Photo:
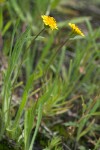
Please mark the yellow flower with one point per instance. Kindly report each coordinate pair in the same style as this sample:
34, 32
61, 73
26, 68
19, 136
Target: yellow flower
49, 21
76, 29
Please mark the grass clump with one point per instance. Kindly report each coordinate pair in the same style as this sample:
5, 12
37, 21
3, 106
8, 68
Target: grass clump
49, 88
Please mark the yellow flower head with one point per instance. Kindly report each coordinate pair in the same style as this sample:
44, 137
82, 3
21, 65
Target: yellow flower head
76, 29
49, 21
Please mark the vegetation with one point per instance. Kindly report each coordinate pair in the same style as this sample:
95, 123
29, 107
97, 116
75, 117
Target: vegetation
49, 76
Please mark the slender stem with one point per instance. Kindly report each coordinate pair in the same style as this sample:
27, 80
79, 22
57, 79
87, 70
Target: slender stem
57, 50
30, 45
39, 118
35, 38
28, 49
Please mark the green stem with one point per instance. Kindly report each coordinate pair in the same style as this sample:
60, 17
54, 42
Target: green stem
37, 126
28, 49
57, 50
35, 38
